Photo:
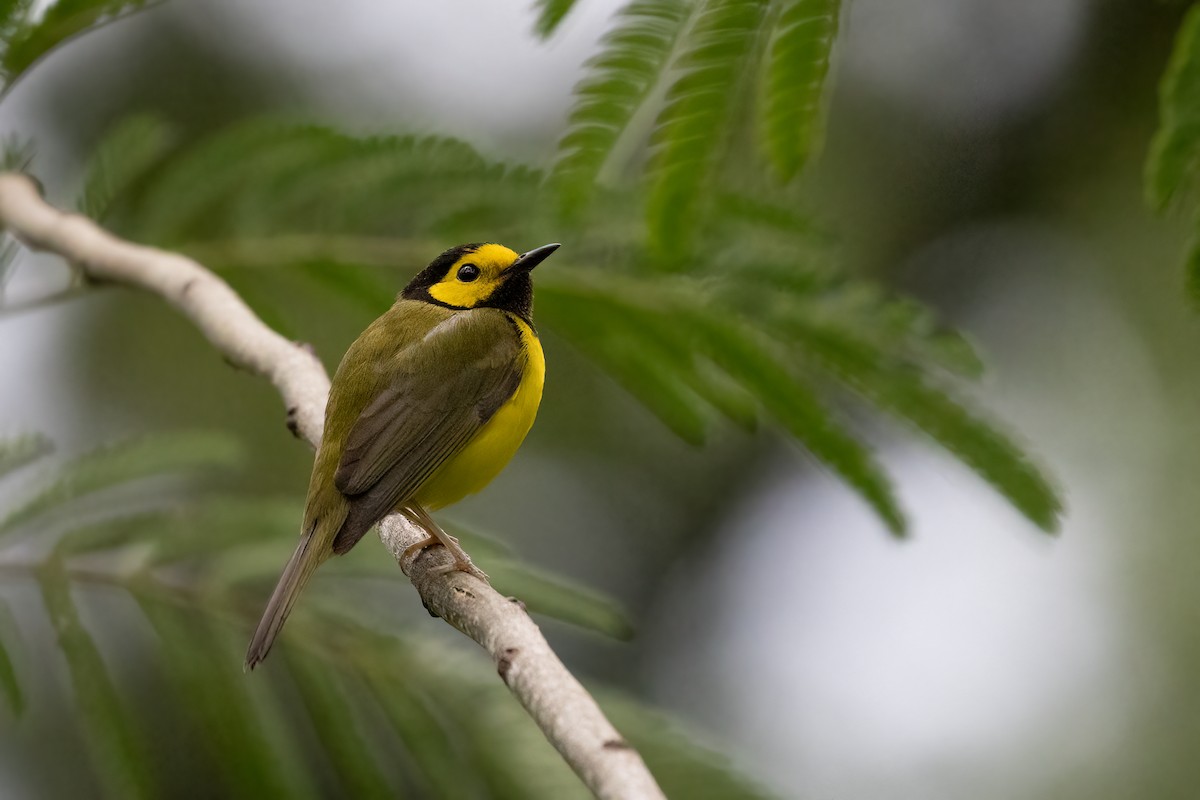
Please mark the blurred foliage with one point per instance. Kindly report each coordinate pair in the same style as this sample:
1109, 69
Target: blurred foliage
195, 566
759, 322
551, 14
698, 68
1173, 167
25, 36
694, 275
701, 308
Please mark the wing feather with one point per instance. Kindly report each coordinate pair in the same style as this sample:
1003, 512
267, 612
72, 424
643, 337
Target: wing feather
445, 388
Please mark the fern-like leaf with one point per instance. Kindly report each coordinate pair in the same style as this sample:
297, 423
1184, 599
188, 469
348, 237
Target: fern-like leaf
12, 15
620, 77
215, 697
1175, 153
8, 672
503, 745
698, 118
431, 739
63, 20
798, 410
797, 65
16, 453
603, 332
117, 756
682, 767
111, 466
132, 147
549, 594
8, 258
550, 15
902, 390
330, 709
16, 153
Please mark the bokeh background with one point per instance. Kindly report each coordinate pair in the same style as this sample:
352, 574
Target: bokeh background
985, 157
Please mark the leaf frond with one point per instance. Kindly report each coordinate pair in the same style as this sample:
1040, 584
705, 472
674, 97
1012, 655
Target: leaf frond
111, 466
697, 118
26, 41
19, 451
1174, 160
904, 391
117, 754
620, 77
550, 14
793, 87
129, 150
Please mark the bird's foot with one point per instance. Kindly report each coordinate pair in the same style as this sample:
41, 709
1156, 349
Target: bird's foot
413, 549
462, 561
462, 566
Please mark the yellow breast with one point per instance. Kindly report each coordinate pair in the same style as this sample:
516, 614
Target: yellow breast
497, 441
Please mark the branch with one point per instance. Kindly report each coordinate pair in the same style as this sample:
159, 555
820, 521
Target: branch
560, 706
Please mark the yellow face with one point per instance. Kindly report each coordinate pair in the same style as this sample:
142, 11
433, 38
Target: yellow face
474, 277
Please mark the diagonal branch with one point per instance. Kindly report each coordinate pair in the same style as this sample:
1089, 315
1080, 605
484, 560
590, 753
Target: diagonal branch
562, 708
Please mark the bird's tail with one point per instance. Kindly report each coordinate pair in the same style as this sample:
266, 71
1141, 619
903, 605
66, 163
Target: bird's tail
291, 583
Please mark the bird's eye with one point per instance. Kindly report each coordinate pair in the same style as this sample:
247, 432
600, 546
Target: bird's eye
468, 273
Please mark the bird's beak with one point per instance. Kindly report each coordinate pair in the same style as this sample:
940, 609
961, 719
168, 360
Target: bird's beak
527, 261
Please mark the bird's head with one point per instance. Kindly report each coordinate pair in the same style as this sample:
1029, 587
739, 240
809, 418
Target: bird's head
480, 275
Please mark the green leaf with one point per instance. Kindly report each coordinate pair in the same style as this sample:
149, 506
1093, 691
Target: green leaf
121, 532
269, 176
214, 178
1193, 268
648, 353
1175, 152
16, 453
494, 737
797, 64
365, 287
619, 79
435, 747
902, 390
212, 526
8, 257
603, 334
682, 767
128, 461
215, 697
550, 15
321, 686
108, 732
124, 155
221, 525
749, 361
698, 118
503, 743
775, 216
554, 596
17, 153
8, 673
12, 17
61, 21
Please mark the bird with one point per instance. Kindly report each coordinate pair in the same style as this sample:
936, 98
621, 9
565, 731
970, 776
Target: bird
427, 406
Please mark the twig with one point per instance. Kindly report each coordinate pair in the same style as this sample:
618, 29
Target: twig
560, 706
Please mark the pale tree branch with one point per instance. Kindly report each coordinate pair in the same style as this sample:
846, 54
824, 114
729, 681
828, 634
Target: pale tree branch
560, 706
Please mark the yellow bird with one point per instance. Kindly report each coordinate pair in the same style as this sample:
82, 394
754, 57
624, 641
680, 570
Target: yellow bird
427, 407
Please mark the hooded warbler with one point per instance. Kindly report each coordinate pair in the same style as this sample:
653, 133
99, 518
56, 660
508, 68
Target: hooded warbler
427, 406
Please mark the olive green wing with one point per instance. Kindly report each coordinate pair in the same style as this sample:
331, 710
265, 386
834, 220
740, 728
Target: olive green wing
441, 391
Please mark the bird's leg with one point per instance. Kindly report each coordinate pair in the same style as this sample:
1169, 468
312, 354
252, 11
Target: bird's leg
462, 561
428, 541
